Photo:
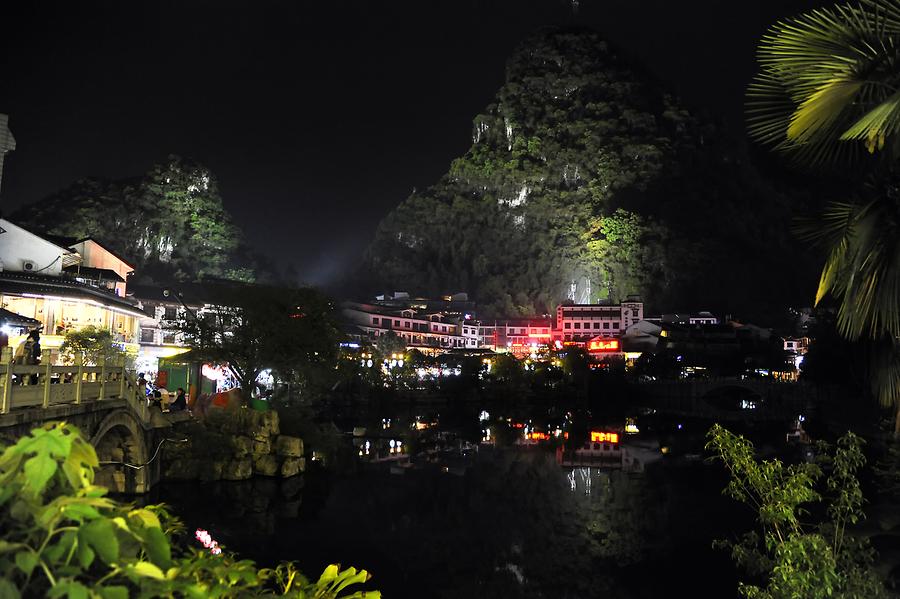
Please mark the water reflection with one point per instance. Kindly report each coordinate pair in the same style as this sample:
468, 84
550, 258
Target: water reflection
513, 522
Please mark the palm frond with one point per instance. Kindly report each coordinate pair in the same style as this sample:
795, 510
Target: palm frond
884, 372
876, 125
863, 268
827, 90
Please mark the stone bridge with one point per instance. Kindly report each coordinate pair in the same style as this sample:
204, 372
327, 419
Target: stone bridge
102, 401
727, 398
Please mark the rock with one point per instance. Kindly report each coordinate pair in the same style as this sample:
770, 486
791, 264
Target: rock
287, 446
237, 470
262, 447
211, 470
242, 446
292, 466
265, 465
272, 422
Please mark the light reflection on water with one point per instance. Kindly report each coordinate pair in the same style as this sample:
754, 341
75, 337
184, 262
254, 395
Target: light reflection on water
511, 523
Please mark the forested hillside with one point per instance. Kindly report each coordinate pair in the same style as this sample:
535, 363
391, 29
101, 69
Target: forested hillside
170, 223
584, 171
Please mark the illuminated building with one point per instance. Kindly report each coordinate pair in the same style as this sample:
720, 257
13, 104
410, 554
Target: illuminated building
415, 327
520, 336
583, 322
51, 281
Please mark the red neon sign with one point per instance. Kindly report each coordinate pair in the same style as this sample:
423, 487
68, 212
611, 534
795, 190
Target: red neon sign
610, 345
604, 437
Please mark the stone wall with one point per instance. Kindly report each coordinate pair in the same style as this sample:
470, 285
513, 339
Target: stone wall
234, 445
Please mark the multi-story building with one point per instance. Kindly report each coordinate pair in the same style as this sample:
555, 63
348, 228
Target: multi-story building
522, 335
583, 322
161, 326
51, 281
416, 328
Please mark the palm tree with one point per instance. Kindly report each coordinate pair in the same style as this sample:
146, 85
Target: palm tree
828, 97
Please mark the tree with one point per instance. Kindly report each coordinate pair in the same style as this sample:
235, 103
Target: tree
93, 344
792, 557
63, 537
170, 223
253, 328
828, 95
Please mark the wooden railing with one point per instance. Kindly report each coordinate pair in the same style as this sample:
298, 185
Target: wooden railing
45, 385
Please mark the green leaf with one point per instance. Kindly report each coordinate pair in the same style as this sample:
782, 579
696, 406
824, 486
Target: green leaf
8, 590
113, 592
146, 570
101, 535
38, 471
157, 546
69, 588
26, 561
85, 555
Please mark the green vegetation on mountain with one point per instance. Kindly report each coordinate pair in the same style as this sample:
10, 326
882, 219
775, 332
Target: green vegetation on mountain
582, 169
170, 223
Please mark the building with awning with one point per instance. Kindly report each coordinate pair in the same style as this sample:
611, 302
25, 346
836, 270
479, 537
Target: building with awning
52, 283
11, 320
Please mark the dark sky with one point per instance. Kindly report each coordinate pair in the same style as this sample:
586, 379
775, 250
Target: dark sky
316, 117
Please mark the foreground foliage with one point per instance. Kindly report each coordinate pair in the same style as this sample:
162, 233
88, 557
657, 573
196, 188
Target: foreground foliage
63, 537
793, 557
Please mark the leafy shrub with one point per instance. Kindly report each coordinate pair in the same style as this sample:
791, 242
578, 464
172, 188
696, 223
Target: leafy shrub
63, 537
796, 558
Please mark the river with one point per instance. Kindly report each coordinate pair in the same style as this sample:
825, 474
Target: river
501, 521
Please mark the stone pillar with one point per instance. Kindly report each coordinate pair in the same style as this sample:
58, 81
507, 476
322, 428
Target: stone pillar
6, 355
47, 363
102, 377
79, 377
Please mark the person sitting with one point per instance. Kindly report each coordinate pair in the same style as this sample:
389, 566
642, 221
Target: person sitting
180, 402
156, 400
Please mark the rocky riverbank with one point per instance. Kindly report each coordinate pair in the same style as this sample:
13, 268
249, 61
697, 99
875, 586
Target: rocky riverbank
233, 445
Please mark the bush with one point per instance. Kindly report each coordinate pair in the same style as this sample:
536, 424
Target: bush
793, 557
63, 537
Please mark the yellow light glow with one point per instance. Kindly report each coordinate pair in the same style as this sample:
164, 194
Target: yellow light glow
604, 437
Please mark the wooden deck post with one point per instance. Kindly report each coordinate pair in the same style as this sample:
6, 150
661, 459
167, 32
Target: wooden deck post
47, 362
79, 377
6, 355
102, 377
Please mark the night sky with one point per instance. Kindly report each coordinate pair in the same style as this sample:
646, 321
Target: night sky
317, 118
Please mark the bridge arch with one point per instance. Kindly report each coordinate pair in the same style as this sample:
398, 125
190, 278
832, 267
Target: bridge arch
122, 450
